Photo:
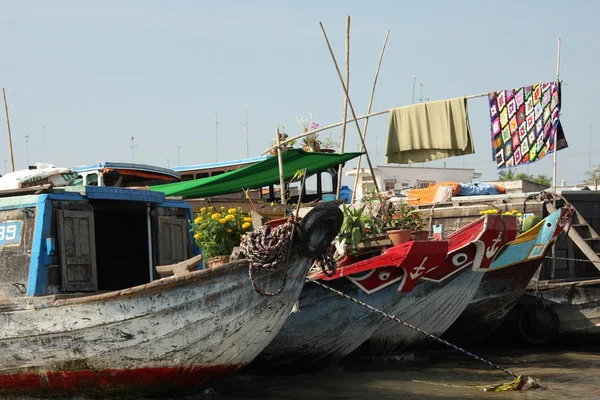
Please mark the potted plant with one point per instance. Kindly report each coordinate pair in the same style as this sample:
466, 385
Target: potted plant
398, 223
282, 136
218, 232
417, 225
311, 142
328, 145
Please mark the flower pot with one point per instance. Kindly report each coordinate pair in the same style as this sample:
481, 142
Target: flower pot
216, 261
421, 235
398, 236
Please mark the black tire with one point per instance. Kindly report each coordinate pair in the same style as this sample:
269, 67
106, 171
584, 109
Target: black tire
318, 228
538, 325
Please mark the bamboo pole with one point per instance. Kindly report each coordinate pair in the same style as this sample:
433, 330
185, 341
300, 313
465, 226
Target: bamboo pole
10, 148
345, 113
281, 179
554, 187
368, 111
350, 104
331, 126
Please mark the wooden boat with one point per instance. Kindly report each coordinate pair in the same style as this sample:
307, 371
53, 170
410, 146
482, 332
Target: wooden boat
83, 313
443, 294
507, 278
327, 327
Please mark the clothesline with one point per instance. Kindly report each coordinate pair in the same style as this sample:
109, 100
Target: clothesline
283, 142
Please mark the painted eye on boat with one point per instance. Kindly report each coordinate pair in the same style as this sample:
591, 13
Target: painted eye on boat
549, 225
384, 275
459, 259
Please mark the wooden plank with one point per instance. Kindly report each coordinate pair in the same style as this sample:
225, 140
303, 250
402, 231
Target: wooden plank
580, 242
179, 268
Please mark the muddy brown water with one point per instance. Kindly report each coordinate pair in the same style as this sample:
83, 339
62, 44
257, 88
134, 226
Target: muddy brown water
431, 374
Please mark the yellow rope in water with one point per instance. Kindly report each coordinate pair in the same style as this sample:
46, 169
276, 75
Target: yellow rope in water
517, 384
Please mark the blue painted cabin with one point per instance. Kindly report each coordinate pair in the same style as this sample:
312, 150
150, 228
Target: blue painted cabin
88, 239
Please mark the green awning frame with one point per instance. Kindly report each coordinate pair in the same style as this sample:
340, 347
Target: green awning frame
257, 175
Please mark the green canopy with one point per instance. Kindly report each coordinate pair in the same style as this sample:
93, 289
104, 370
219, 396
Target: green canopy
257, 175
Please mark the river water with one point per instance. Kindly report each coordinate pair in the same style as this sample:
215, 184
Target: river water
568, 372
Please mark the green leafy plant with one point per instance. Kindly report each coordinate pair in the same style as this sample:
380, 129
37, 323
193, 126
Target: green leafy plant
357, 226
353, 228
401, 216
217, 233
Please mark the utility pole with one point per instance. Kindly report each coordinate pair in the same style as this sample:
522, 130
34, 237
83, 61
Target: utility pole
27, 149
10, 149
414, 83
590, 157
178, 162
217, 135
246, 128
133, 147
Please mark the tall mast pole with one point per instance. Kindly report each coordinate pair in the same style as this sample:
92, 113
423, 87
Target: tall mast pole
10, 148
217, 135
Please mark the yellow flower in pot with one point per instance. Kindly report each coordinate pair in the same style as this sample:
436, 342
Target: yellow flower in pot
217, 233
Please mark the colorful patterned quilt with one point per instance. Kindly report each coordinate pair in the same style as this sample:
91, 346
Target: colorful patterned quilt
525, 123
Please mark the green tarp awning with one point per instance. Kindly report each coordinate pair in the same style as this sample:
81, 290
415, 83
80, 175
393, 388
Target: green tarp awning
257, 175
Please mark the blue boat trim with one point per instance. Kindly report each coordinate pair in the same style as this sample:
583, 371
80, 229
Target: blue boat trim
37, 280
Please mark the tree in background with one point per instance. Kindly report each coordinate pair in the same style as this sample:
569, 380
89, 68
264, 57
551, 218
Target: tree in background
511, 175
593, 175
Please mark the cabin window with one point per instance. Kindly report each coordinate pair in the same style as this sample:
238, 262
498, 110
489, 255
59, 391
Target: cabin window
91, 180
390, 184
424, 184
16, 235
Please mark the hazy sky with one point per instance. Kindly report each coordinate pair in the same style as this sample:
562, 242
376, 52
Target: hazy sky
98, 72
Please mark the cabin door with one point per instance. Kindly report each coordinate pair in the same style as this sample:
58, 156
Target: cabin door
77, 246
173, 240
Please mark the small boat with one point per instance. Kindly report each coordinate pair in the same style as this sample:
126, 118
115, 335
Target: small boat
85, 312
443, 293
507, 278
327, 327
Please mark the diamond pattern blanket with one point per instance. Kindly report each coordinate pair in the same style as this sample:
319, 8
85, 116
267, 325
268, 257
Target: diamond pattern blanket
525, 124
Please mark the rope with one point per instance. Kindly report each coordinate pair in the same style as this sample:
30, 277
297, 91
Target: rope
267, 249
572, 259
326, 262
393, 317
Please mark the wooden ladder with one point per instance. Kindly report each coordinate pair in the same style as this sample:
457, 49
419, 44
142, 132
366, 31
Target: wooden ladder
583, 235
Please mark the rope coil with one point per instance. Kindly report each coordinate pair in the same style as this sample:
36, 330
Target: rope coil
267, 249
326, 262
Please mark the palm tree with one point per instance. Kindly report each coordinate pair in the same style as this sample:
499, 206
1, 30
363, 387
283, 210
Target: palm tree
507, 175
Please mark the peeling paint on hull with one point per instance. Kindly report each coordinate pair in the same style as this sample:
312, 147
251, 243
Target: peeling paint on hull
187, 330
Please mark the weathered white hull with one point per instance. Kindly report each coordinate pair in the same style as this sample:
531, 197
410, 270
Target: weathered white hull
178, 332
431, 306
326, 328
